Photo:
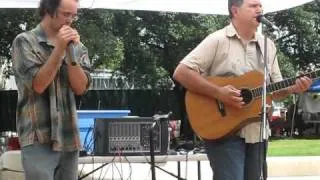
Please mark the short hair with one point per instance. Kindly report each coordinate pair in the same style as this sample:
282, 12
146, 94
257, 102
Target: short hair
49, 6
231, 3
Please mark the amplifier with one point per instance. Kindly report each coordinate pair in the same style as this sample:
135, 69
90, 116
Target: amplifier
129, 136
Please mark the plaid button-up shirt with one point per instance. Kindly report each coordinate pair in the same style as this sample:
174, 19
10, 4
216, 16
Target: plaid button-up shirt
49, 117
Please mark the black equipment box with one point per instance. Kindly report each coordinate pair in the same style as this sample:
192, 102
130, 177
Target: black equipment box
129, 136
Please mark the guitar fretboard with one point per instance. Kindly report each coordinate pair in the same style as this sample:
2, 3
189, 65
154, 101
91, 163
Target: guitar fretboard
257, 92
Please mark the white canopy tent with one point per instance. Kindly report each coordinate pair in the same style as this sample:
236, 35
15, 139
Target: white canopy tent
190, 6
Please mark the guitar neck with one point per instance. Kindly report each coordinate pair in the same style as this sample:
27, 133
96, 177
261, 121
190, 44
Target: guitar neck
273, 87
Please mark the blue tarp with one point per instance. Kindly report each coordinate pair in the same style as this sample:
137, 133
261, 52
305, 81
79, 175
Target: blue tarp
315, 86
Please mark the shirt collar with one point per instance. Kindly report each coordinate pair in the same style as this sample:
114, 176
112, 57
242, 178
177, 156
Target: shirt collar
41, 34
232, 32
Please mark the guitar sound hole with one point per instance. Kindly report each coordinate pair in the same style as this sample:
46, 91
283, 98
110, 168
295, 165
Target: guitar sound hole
247, 95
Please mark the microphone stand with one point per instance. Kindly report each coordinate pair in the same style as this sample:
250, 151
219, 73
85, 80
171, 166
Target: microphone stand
263, 127
157, 119
264, 119
263, 132
152, 162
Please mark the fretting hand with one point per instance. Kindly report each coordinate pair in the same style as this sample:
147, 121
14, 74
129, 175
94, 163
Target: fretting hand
301, 85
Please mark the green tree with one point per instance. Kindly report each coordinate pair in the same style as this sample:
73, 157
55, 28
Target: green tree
154, 42
300, 34
95, 28
105, 50
13, 22
147, 46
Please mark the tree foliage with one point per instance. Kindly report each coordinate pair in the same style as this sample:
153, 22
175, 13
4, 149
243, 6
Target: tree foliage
154, 42
95, 28
300, 34
147, 46
13, 22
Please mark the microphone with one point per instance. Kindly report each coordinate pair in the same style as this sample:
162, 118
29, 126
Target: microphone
72, 53
265, 21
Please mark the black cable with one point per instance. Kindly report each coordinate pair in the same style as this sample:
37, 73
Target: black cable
81, 170
170, 173
94, 170
114, 164
108, 168
130, 167
105, 173
112, 171
85, 148
186, 175
85, 139
119, 156
100, 175
92, 155
90, 145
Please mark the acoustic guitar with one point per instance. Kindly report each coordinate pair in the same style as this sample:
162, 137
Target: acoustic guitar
211, 119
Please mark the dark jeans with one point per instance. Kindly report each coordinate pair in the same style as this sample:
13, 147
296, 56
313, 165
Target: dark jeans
233, 159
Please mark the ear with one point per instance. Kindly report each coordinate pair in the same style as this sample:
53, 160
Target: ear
234, 10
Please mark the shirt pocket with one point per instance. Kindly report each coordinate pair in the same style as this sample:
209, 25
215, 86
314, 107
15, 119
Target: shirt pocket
226, 65
42, 52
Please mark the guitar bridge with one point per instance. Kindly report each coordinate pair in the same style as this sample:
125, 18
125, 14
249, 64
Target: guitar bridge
221, 108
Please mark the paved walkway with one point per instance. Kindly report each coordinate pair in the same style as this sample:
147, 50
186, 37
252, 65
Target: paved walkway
189, 171
295, 178
279, 168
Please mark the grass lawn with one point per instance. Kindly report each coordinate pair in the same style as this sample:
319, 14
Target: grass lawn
294, 147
